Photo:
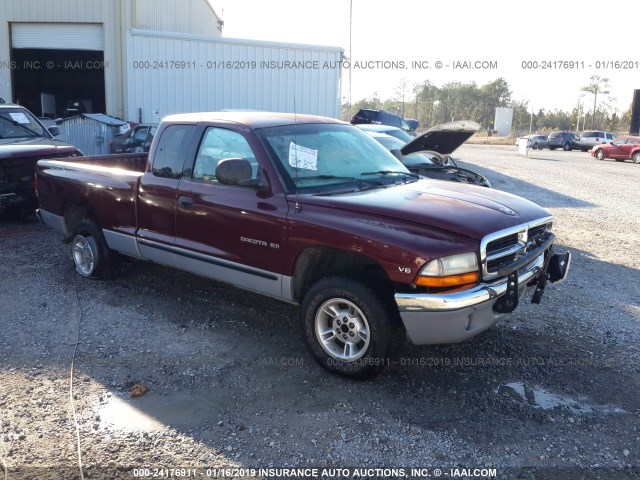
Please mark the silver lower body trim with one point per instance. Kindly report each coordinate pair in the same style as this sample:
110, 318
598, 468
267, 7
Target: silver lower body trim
123, 243
53, 221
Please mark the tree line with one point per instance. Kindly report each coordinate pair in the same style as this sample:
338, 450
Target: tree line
432, 105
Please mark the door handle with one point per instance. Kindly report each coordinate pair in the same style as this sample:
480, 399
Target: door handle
185, 202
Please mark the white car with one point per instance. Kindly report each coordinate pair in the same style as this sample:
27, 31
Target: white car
591, 138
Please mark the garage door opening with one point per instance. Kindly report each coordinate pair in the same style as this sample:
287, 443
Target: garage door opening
59, 83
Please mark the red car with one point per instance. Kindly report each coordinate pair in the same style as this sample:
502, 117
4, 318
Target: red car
624, 148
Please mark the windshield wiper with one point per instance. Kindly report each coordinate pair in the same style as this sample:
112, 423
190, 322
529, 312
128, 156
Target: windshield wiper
391, 172
324, 177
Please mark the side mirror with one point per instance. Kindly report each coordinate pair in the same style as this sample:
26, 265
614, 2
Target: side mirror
396, 153
54, 130
238, 172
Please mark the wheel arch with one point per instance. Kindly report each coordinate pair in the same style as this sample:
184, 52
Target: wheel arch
74, 211
317, 262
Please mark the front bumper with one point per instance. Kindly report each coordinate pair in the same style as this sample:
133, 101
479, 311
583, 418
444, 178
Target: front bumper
454, 317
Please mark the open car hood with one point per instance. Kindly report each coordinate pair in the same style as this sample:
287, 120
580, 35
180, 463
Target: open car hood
443, 139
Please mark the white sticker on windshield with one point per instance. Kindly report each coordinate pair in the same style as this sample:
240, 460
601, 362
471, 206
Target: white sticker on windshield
19, 117
303, 157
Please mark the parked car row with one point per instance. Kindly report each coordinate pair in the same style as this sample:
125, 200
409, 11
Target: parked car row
568, 140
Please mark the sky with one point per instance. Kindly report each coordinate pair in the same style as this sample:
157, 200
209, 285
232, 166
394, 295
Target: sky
546, 50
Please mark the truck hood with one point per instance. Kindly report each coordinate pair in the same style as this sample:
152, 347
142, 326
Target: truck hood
34, 147
467, 210
443, 139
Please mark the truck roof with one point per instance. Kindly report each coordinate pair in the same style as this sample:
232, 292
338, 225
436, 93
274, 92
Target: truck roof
255, 119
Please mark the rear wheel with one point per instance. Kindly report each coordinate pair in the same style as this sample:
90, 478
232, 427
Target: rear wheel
636, 157
599, 154
91, 255
347, 327
536, 146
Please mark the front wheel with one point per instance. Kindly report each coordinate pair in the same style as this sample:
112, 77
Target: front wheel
91, 255
599, 154
636, 157
566, 147
347, 327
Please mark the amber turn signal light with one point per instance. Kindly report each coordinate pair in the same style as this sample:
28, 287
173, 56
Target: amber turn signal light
448, 281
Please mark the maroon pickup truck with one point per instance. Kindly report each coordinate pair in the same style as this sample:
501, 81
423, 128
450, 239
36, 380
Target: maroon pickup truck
315, 212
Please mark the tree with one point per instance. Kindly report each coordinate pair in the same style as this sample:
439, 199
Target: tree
625, 119
597, 86
402, 92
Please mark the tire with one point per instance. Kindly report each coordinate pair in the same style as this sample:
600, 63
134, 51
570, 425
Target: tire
636, 157
367, 327
536, 146
599, 154
90, 253
566, 146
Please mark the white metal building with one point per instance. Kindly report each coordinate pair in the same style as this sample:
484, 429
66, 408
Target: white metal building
143, 59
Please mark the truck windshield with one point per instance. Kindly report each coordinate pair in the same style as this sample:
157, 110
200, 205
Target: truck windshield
312, 156
19, 123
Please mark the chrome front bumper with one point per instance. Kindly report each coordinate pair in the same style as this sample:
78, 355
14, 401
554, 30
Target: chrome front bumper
453, 317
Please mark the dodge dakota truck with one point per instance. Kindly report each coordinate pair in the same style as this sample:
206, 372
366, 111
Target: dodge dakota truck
312, 211
24, 140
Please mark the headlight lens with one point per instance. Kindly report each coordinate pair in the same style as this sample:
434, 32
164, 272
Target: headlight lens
452, 271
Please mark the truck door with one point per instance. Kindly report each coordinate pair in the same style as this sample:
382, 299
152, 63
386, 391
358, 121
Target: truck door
158, 192
230, 233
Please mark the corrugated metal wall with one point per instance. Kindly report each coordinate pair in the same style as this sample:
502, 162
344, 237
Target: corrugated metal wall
185, 16
222, 73
88, 135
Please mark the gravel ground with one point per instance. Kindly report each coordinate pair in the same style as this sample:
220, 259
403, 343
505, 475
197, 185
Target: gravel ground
550, 392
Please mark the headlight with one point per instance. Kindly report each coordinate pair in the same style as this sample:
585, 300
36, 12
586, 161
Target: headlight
452, 271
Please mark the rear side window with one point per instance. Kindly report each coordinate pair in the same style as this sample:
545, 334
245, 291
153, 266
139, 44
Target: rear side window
368, 114
169, 156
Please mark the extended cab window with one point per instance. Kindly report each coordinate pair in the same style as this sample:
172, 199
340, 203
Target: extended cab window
169, 156
218, 144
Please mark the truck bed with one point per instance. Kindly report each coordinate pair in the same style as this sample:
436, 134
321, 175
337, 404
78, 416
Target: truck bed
108, 183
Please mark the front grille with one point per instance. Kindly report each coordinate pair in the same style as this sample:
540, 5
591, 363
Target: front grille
502, 243
503, 248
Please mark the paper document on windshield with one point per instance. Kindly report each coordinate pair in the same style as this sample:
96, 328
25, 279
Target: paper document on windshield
19, 117
303, 157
